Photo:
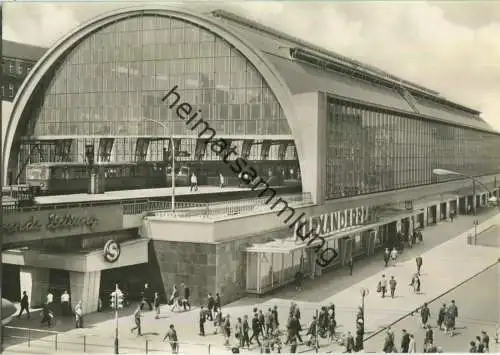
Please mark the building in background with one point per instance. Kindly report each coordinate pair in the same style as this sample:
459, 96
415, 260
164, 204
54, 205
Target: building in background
365, 143
17, 61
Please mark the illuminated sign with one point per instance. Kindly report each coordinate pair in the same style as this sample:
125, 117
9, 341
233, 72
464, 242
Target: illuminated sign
54, 223
335, 221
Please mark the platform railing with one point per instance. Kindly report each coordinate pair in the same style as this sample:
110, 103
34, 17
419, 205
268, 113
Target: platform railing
235, 207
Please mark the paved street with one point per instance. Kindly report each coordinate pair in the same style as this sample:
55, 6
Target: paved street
336, 287
478, 308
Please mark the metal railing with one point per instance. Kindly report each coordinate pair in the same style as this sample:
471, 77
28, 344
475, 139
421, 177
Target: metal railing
17, 339
235, 207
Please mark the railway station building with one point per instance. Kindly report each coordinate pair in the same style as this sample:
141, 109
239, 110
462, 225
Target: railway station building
364, 141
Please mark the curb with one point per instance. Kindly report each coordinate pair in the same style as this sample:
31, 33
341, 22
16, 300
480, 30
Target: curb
377, 332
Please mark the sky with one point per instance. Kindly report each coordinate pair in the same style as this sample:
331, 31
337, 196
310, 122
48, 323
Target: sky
450, 47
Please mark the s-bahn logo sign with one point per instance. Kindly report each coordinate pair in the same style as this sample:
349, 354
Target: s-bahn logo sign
54, 223
112, 251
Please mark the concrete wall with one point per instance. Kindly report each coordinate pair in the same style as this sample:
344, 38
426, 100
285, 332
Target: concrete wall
191, 263
85, 287
311, 108
35, 281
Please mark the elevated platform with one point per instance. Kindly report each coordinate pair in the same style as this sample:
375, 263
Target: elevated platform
135, 194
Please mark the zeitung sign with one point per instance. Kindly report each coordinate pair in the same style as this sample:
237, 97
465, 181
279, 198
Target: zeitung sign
336, 221
54, 223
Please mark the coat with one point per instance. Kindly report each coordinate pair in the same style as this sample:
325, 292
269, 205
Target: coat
412, 347
405, 342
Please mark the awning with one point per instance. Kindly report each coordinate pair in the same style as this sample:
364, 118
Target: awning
281, 246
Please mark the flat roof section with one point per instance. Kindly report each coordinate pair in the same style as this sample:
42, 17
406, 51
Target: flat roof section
134, 194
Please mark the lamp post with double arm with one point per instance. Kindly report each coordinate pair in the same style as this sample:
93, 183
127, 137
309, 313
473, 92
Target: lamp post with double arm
445, 172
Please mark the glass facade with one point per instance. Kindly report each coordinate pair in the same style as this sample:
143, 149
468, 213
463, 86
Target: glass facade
117, 77
371, 150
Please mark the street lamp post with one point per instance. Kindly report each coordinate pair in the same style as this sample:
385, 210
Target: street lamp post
364, 292
441, 172
173, 158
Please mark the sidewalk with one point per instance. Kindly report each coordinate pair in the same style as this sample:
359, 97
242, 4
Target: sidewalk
443, 269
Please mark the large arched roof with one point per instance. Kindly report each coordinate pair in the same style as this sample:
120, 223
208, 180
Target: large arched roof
62, 48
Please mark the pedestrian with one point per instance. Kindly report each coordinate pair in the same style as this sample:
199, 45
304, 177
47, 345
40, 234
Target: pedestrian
226, 327
268, 318
218, 323
221, 181
47, 315
210, 306
148, 296
194, 182
217, 304
65, 305
245, 339
394, 256
238, 330
425, 314
486, 341
156, 302
276, 321
418, 261
392, 285
388, 342
350, 264
473, 348
452, 314
172, 339
312, 331
256, 328
174, 298
299, 277
24, 305
382, 286
429, 335
78, 315
479, 345
441, 315
203, 319
137, 321
412, 346
360, 332
415, 283
405, 341
387, 256
187, 295
349, 343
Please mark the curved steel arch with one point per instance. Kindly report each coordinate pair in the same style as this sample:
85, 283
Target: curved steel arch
63, 47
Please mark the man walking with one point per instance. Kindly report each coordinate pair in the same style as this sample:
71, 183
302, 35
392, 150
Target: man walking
392, 285
256, 328
383, 286
245, 339
418, 261
24, 305
172, 339
203, 319
387, 256
210, 306
405, 341
137, 320
78, 315
187, 295
156, 302
425, 314
65, 306
194, 182
147, 297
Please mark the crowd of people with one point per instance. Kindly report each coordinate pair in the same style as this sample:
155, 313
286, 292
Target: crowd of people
50, 309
